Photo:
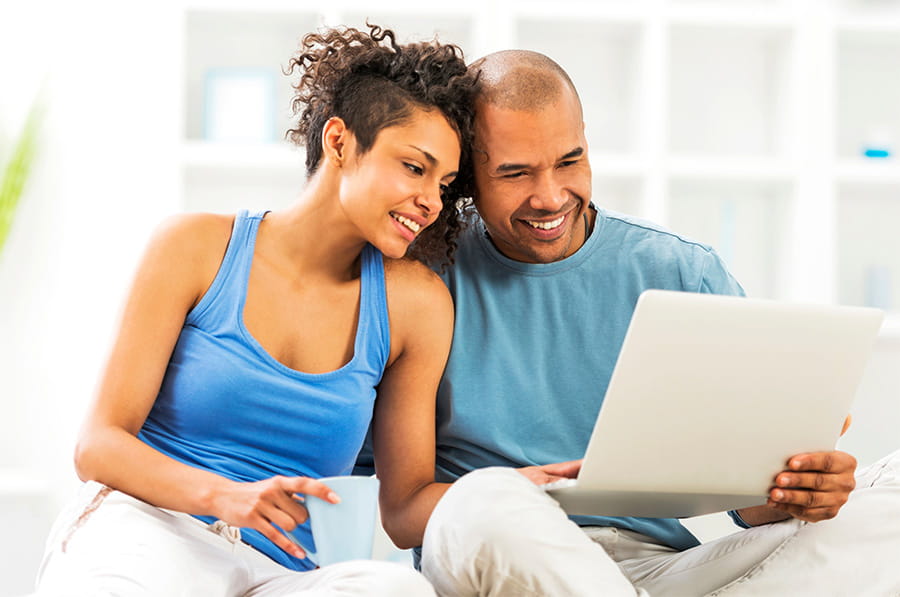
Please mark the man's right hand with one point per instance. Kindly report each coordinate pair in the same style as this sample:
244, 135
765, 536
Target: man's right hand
547, 473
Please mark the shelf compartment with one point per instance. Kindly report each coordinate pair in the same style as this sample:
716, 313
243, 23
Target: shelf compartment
603, 60
868, 246
236, 42
745, 222
730, 90
868, 93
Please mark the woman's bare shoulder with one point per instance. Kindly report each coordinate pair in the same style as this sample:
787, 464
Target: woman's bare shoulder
413, 278
189, 248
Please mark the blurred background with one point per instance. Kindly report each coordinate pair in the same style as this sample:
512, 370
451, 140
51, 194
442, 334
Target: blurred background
767, 128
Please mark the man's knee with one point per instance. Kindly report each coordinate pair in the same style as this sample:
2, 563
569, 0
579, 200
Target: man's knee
487, 505
490, 513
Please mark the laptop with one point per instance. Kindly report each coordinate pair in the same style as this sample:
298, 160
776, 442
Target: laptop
710, 396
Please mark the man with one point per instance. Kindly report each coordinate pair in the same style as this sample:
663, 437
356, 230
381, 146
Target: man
544, 287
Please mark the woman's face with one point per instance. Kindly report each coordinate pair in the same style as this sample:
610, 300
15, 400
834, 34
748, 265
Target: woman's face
392, 192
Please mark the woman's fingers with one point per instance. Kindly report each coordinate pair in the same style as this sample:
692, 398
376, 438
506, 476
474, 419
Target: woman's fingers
307, 486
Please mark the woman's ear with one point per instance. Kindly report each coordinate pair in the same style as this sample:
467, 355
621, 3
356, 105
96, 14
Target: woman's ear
334, 141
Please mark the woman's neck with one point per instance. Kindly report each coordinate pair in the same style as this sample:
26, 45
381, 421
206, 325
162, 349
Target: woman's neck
314, 234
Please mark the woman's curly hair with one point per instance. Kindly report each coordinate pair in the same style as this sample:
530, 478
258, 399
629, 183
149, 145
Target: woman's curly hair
371, 82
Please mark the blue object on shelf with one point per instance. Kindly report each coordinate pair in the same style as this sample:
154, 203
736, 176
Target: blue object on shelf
872, 152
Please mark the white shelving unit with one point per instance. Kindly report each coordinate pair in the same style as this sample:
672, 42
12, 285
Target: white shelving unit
739, 123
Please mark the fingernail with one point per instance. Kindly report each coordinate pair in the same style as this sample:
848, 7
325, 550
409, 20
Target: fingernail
777, 495
784, 480
299, 553
795, 464
333, 498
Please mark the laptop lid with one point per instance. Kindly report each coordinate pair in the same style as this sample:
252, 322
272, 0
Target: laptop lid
711, 395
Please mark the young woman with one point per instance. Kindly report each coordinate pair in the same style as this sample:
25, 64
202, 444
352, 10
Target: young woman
251, 347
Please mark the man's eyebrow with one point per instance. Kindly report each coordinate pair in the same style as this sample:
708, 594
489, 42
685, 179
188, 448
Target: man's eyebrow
575, 153
503, 168
510, 168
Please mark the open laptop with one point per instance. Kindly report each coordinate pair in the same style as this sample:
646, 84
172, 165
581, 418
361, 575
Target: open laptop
710, 396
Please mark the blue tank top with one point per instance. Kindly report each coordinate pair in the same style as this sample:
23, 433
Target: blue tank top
229, 407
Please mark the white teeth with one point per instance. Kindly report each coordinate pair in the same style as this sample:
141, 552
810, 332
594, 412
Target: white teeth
414, 226
547, 225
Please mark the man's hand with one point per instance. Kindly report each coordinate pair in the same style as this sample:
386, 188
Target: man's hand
548, 473
815, 486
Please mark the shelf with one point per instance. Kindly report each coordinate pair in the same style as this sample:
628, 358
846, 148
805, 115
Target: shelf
612, 165
225, 156
874, 171
729, 168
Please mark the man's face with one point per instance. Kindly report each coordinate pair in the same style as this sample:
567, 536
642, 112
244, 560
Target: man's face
533, 179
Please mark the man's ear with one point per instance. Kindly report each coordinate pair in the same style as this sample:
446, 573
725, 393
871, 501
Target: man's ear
334, 141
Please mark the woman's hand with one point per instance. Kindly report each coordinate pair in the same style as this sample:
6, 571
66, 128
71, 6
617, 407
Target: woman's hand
264, 504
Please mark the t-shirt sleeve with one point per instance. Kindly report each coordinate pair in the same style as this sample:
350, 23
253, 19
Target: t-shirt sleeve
716, 279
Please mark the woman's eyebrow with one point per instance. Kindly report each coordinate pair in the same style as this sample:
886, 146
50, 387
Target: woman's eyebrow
431, 159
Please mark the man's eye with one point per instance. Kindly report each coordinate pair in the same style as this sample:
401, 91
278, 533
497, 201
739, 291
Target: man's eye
514, 175
413, 168
568, 163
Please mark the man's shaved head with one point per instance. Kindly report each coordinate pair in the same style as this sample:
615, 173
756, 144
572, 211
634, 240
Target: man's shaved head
521, 80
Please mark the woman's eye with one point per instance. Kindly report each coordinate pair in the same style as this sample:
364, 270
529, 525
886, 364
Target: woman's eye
445, 188
413, 168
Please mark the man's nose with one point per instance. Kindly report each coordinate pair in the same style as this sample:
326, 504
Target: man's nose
549, 194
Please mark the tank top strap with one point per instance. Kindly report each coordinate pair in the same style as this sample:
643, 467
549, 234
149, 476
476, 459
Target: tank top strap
374, 326
223, 299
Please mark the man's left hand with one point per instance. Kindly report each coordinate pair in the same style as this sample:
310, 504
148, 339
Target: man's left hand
814, 486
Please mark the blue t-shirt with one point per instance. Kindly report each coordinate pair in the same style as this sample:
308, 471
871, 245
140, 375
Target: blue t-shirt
534, 346
228, 407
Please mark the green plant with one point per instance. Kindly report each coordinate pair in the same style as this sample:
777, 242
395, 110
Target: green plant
15, 173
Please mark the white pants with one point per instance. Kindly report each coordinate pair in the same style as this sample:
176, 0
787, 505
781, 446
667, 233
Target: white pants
495, 533
109, 543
